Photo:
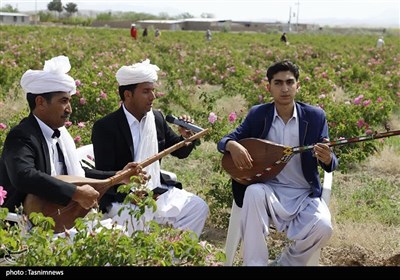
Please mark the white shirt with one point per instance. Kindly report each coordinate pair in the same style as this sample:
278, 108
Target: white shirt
289, 186
288, 135
55, 165
135, 127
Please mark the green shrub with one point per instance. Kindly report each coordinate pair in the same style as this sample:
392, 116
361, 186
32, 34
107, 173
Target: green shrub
91, 244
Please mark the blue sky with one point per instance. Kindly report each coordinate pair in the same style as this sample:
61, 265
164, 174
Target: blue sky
379, 13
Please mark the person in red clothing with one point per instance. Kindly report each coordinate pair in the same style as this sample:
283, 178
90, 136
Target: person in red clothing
133, 31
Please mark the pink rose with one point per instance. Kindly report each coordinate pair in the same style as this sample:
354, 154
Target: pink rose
232, 117
212, 117
3, 195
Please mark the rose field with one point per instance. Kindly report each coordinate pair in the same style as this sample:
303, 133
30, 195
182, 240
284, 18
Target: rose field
216, 82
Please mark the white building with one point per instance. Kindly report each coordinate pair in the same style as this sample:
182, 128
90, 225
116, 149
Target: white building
14, 18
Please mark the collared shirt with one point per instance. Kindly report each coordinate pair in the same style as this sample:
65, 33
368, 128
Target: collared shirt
288, 135
135, 127
55, 166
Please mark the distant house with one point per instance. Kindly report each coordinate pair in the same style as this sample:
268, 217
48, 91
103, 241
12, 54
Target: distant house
205, 23
14, 18
161, 24
185, 24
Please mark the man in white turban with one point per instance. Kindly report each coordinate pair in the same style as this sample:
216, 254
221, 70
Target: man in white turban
52, 78
40, 147
135, 132
143, 72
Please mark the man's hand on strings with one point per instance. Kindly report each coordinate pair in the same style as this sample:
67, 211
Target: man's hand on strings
240, 156
86, 196
323, 152
138, 171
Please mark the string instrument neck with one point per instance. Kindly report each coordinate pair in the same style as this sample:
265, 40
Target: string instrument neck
345, 141
117, 178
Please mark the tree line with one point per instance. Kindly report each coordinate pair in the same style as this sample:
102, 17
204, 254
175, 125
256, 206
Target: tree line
54, 6
72, 8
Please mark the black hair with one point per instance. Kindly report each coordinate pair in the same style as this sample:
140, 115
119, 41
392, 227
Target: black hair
121, 90
30, 97
281, 66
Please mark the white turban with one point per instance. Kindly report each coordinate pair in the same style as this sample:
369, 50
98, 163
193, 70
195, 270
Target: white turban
52, 78
143, 72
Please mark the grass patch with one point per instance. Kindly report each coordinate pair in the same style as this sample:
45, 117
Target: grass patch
370, 199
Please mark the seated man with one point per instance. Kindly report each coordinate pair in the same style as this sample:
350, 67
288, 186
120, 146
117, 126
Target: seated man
292, 200
136, 132
40, 147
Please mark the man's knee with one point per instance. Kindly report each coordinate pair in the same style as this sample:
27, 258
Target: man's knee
200, 206
254, 192
325, 230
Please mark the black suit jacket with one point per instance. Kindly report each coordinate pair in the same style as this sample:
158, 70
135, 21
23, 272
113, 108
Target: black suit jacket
25, 167
113, 147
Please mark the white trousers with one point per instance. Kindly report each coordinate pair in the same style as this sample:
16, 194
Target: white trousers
105, 222
176, 207
308, 230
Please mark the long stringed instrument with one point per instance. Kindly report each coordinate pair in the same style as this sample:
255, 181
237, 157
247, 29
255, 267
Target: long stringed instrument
64, 216
270, 158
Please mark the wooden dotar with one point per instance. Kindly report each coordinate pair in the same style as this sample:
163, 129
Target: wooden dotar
64, 216
270, 158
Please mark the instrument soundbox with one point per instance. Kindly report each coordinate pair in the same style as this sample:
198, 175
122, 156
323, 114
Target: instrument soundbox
64, 216
270, 158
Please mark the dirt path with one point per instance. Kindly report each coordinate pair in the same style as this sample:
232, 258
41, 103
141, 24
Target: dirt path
355, 256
